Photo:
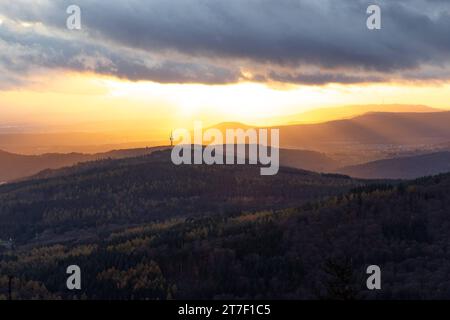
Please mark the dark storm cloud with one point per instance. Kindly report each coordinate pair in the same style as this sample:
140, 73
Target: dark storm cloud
319, 78
210, 40
23, 52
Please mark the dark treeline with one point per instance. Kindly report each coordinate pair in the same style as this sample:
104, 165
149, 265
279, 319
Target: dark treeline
315, 249
108, 193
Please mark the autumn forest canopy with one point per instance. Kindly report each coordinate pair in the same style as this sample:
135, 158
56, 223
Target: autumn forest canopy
315, 148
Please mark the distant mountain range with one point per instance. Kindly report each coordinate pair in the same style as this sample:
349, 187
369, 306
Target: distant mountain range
372, 130
97, 137
369, 137
415, 145
347, 112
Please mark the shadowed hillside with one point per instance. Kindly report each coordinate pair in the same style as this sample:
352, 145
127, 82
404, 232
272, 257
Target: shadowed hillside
373, 130
369, 137
402, 168
312, 250
104, 193
16, 166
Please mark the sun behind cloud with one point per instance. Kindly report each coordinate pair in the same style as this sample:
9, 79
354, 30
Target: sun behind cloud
75, 99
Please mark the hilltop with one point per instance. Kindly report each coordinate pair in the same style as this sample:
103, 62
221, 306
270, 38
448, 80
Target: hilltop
95, 195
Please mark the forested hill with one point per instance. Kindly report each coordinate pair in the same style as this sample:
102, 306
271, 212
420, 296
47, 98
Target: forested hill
315, 251
16, 166
402, 168
83, 201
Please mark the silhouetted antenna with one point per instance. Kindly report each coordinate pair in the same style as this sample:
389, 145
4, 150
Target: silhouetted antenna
171, 138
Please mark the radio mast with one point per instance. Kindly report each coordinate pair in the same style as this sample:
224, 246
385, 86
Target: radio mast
171, 139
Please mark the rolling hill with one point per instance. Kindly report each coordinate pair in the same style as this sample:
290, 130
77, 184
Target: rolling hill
362, 139
103, 193
372, 130
319, 147
307, 160
369, 137
347, 112
401, 168
15, 166
142, 229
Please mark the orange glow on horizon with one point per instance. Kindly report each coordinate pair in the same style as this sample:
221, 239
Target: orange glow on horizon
71, 99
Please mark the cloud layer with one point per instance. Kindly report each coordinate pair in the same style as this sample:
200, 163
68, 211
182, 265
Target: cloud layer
216, 41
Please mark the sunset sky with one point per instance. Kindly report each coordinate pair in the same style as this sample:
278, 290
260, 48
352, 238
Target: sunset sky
164, 64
